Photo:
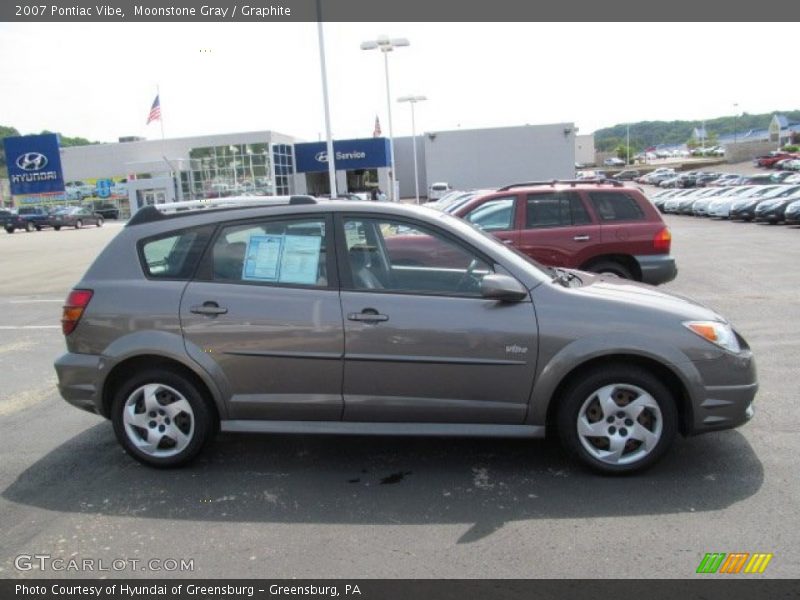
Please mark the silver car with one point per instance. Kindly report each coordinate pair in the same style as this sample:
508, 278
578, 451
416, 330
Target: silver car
291, 315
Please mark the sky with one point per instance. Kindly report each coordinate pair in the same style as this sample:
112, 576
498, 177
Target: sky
98, 80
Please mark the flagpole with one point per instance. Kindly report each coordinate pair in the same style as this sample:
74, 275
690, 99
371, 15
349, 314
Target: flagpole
161, 115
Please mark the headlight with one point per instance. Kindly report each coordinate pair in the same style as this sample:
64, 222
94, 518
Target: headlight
715, 332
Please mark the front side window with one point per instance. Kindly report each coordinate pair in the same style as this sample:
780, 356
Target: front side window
616, 206
272, 252
396, 256
496, 214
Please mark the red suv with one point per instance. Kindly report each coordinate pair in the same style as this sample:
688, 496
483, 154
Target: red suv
603, 227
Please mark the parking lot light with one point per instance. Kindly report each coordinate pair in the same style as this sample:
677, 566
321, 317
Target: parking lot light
386, 45
413, 100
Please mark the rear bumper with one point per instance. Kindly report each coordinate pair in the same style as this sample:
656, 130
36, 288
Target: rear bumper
80, 381
657, 268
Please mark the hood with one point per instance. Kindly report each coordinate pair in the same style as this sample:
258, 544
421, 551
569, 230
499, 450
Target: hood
643, 296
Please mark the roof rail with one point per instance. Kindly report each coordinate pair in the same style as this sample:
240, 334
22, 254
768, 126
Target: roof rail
157, 212
553, 182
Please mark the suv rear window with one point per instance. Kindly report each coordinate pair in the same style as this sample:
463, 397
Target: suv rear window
175, 255
616, 206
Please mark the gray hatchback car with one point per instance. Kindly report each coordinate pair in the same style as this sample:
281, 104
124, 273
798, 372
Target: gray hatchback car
292, 315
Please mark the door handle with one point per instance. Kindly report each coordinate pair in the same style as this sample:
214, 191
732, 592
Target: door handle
208, 308
368, 315
581, 238
508, 242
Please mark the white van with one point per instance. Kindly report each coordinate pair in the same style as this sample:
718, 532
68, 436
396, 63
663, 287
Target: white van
437, 190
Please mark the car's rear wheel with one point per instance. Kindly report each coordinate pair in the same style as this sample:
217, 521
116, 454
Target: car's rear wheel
617, 419
161, 418
57, 227
78, 224
9, 230
99, 221
613, 268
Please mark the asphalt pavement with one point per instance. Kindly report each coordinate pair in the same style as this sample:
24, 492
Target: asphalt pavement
304, 506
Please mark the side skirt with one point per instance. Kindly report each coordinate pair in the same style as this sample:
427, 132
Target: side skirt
362, 428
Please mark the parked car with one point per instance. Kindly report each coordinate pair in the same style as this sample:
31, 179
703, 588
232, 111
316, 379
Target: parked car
791, 214
626, 175
613, 161
437, 190
599, 227
192, 322
29, 218
105, 210
773, 210
75, 216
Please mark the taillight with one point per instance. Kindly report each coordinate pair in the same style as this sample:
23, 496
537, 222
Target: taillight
662, 240
77, 301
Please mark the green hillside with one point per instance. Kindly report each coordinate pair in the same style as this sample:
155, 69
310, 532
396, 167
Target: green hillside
651, 133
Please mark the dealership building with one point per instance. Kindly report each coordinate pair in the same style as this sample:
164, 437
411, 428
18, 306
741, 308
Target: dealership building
135, 172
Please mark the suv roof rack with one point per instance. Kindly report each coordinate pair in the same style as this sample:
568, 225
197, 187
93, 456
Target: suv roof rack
553, 182
157, 212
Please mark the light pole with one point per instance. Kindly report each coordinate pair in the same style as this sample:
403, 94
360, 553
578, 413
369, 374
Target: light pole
735, 122
386, 45
413, 100
627, 144
324, 71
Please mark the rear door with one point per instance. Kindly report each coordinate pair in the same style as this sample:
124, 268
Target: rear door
265, 309
628, 225
557, 230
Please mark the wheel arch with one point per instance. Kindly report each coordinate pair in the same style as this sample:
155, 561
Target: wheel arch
124, 368
664, 372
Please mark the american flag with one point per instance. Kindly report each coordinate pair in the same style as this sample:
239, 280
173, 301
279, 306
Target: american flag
377, 131
155, 111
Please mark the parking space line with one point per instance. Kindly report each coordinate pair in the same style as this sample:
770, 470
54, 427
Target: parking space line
39, 300
7, 327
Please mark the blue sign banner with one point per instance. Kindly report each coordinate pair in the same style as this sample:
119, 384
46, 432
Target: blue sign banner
34, 164
367, 153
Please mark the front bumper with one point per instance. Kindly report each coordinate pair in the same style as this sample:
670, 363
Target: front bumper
657, 268
80, 379
727, 397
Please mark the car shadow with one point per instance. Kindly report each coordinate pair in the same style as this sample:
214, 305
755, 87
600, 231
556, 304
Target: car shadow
383, 480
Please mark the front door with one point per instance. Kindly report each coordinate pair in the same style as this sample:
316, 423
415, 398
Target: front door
421, 344
265, 308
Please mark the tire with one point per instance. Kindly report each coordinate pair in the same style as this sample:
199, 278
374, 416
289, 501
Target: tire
9, 230
99, 221
78, 224
28, 226
630, 443
615, 268
57, 227
141, 415
38, 228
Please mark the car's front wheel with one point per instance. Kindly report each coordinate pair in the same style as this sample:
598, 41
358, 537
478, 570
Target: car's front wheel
78, 224
99, 221
29, 227
617, 419
161, 418
57, 227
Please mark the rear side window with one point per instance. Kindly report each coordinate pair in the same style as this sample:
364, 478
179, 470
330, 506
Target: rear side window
616, 206
496, 214
175, 255
555, 209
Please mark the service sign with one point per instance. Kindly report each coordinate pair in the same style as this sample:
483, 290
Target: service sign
368, 153
34, 164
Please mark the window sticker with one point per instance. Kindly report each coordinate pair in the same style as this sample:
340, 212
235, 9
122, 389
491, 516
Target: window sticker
300, 260
262, 260
282, 259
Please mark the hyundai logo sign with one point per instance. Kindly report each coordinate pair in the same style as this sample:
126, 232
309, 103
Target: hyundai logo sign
321, 157
32, 161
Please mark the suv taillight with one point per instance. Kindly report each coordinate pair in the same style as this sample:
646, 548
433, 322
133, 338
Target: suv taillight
662, 241
77, 301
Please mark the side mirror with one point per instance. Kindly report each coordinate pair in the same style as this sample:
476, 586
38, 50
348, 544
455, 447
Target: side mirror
502, 287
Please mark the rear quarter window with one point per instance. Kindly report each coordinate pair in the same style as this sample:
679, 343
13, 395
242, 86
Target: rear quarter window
616, 206
174, 255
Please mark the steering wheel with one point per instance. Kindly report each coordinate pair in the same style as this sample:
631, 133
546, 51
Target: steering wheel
468, 281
